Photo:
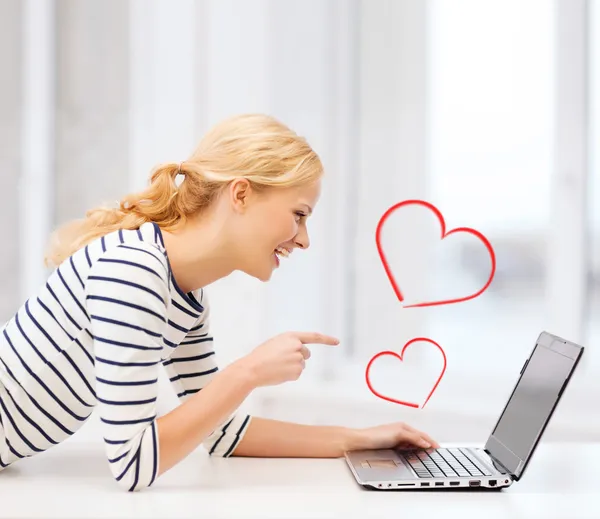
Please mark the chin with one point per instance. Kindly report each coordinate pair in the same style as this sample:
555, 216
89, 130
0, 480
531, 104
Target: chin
261, 274
261, 270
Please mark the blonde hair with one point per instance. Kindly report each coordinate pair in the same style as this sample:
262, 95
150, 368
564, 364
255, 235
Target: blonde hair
257, 147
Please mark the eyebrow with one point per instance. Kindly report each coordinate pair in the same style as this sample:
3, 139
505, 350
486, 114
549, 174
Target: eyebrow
309, 208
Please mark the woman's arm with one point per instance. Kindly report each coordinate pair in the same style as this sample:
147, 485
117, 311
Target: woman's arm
189, 424
191, 368
275, 439
272, 438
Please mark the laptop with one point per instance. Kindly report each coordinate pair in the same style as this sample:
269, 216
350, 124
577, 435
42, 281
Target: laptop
508, 449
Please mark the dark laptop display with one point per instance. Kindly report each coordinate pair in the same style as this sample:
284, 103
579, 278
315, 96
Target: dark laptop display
525, 416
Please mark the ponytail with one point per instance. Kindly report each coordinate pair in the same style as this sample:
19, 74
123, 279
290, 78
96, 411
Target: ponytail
162, 202
253, 146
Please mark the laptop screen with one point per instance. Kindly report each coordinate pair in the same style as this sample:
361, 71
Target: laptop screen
532, 402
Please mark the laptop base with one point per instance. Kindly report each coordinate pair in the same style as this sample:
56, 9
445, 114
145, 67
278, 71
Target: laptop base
389, 469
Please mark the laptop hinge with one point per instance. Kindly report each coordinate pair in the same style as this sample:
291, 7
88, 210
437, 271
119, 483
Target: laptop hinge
496, 460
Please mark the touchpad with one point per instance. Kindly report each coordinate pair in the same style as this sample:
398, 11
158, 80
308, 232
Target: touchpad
382, 464
374, 467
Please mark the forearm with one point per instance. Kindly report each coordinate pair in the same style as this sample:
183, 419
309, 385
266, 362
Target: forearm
184, 428
272, 438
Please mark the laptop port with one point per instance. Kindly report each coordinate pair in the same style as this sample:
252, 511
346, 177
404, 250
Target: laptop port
424, 484
474, 483
454, 483
439, 483
492, 482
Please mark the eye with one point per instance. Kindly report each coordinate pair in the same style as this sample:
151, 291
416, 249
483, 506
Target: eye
299, 215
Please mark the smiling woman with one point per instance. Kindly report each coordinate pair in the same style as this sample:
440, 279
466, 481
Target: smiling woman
127, 295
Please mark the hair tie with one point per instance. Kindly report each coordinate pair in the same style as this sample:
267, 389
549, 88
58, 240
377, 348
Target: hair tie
179, 176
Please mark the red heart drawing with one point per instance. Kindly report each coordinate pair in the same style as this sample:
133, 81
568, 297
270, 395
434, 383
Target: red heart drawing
400, 357
445, 234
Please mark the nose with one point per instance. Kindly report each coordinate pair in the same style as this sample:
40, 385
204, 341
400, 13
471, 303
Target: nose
301, 240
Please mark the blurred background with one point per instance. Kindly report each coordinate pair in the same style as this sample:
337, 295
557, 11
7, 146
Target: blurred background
487, 108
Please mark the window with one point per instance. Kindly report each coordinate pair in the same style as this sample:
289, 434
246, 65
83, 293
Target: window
473, 132
491, 159
593, 198
463, 107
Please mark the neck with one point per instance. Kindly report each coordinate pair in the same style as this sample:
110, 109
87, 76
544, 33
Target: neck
198, 254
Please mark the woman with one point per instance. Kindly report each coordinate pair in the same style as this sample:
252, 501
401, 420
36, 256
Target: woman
126, 297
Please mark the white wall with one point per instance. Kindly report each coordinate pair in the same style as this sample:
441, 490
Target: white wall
392, 158
11, 13
294, 61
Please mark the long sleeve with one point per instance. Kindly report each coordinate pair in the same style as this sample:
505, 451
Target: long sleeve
127, 295
192, 366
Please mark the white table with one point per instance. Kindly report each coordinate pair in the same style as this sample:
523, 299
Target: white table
72, 480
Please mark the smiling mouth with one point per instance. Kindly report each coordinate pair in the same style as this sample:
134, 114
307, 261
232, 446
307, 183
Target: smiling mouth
280, 252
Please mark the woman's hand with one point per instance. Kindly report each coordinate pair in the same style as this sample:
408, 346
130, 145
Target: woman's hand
391, 436
281, 358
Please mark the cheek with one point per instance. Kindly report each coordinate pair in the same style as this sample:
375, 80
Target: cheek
287, 228
278, 224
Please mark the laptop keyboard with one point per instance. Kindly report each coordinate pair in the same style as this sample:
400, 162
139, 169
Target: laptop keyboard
441, 463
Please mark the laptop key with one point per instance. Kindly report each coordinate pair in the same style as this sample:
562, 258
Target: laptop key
473, 470
454, 463
460, 465
417, 466
449, 472
421, 469
435, 470
463, 473
463, 460
476, 463
436, 464
443, 465
423, 474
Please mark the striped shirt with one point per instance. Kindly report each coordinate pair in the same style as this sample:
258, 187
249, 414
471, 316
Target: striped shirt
95, 336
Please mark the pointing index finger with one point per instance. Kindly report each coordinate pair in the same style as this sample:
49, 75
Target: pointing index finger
316, 338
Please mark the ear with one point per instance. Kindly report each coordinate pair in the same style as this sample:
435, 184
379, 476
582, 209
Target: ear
240, 192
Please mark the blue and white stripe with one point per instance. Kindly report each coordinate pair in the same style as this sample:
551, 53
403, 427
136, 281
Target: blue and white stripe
95, 337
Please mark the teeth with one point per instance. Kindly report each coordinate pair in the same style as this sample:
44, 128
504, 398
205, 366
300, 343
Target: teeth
282, 252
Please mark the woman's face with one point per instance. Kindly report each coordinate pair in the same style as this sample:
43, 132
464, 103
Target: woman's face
271, 225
